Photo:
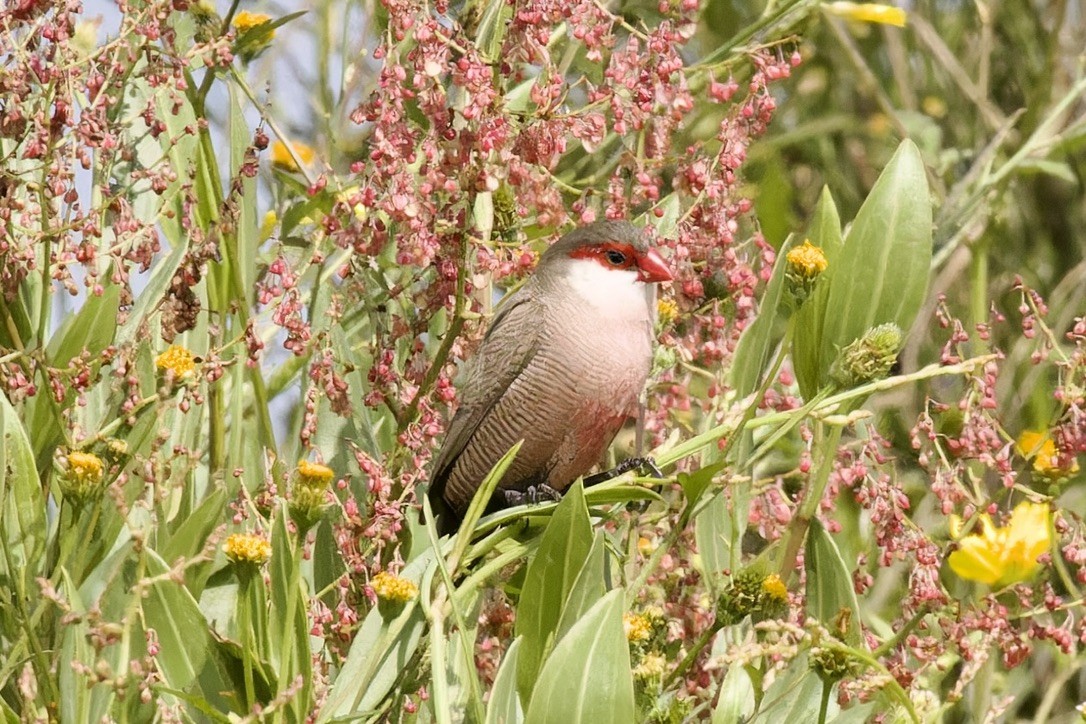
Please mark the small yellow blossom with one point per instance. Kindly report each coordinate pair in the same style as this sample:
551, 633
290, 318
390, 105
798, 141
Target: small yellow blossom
773, 588
646, 546
666, 310
934, 106
85, 466
246, 20
637, 627
1046, 459
807, 261
651, 666
1002, 556
82, 478
247, 548
178, 360
281, 155
868, 13
314, 475
393, 588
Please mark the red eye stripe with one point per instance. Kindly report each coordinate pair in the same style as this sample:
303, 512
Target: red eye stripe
607, 254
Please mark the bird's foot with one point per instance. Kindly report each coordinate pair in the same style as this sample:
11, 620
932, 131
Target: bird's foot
646, 464
531, 495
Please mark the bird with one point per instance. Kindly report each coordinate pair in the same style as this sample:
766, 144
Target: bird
561, 367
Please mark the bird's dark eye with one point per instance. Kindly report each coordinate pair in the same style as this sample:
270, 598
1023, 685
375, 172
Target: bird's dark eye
617, 258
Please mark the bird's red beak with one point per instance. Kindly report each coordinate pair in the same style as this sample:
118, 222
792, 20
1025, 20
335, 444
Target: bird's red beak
652, 267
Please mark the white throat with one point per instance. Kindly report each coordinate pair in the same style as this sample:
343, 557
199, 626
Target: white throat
618, 293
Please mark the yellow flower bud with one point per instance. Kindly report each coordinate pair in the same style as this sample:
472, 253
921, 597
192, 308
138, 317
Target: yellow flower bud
246, 548
82, 477
394, 589
178, 360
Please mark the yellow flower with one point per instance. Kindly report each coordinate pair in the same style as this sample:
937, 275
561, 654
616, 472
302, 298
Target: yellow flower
314, 475
666, 311
637, 627
774, 590
1046, 459
867, 13
392, 588
82, 477
246, 20
807, 261
1002, 556
178, 360
651, 666
247, 548
85, 466
281, 155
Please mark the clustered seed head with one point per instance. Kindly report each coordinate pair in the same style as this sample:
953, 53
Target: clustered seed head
868, 358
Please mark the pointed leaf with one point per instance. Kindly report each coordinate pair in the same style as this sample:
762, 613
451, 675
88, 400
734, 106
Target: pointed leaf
881, 274
179, 624
22, 506
91, 328
824, 231
830, 595
587, 588
504, 705
587, 677
737, 699
765, 332
550, 576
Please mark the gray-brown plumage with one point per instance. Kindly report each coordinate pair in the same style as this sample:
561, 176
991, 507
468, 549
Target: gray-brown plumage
561, 367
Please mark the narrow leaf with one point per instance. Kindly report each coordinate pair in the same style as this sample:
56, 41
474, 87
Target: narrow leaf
504, 705
550, 576
587, 678
830, 595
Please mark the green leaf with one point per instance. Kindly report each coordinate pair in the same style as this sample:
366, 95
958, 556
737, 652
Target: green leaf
830, 596
696, 483
492, 27
881, 273
22, 507
504, 705
713, 534
824, 231
91, 328
737, 697
667, 222
77, 698
550, 577
192, 532
587, 588
183, 637
752, 355
794, 696
587, 677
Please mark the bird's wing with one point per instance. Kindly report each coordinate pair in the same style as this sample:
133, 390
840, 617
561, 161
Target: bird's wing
507, 349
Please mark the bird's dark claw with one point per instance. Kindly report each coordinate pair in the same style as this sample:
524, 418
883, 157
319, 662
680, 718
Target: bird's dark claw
645, 464
532, 495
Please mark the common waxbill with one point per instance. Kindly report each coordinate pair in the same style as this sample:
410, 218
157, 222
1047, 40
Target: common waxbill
561, 367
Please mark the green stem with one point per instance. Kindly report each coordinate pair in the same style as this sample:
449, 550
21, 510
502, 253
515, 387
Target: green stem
245, 589
691, 655
812, 497
286, 640
824, 705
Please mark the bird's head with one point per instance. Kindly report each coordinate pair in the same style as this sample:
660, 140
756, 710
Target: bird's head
616, 246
